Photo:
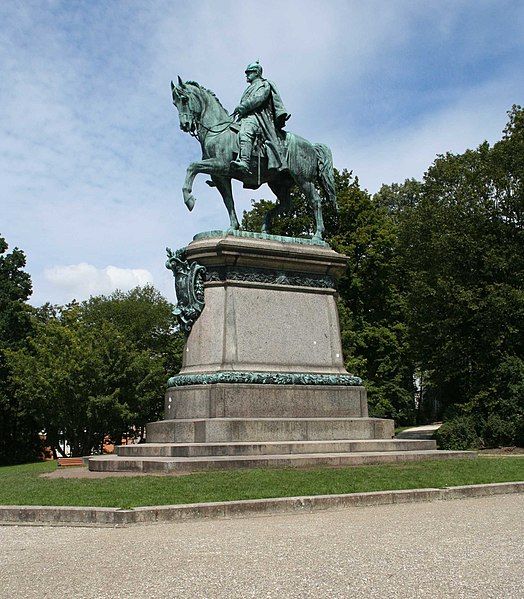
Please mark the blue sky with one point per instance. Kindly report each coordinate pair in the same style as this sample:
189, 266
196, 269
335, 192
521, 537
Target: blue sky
91, 156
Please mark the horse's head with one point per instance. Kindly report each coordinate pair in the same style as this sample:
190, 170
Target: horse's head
187, 104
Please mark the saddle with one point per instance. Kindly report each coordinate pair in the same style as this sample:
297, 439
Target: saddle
266, 155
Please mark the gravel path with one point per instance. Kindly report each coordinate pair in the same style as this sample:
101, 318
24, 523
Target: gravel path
461, 548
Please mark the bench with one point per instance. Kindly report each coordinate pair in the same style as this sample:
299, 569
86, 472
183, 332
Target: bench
65, 462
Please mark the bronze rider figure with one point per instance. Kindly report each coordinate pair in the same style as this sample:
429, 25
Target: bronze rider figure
261, 112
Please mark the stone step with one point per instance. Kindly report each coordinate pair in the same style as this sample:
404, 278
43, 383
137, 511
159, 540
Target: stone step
227, 430
270, 448
174, 465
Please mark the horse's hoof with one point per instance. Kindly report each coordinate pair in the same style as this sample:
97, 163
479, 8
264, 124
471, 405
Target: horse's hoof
190, 202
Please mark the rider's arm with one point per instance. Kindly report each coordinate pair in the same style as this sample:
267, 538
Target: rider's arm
255, 100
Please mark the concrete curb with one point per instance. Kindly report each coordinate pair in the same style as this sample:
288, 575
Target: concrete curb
102, 516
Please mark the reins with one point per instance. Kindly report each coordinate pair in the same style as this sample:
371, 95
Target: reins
211, 129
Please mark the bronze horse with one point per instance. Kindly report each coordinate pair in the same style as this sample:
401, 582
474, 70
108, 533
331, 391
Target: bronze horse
202, 115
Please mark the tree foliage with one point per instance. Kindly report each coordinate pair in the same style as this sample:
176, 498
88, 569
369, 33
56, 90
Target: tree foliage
18, 438
97, 368
374, 334
461, 242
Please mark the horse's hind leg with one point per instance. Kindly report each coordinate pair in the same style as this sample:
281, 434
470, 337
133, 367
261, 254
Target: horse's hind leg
316, 202
223, 184
282, 191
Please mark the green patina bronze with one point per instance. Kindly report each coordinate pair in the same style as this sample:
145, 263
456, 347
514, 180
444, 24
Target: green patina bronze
266, 236
264, 378
261, 115
252, 147
189, 288
268, 276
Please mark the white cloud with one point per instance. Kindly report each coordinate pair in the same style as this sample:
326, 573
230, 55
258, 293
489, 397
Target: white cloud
79, 281
476, 116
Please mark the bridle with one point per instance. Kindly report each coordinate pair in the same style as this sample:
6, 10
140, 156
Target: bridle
196, 123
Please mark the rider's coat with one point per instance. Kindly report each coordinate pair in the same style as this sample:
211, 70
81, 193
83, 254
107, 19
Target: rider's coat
263, 112
262, 96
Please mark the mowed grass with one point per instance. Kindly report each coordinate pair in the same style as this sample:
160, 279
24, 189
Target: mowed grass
22, 485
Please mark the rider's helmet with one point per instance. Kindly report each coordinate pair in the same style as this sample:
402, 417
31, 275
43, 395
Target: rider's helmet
254, 67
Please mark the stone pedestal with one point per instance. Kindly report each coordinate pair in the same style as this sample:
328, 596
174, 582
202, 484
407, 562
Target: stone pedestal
263, 380
269, 307
267, 343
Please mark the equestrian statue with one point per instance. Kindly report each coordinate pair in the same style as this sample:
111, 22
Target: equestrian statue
252, 147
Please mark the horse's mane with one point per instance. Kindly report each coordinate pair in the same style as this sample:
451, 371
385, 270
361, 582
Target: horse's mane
196, 84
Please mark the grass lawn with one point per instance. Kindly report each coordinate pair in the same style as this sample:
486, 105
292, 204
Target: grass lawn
22, 485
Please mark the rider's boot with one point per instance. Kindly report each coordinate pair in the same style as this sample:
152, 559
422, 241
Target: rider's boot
242, 162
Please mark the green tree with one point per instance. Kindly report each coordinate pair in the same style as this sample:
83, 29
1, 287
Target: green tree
461, 234
372, 304
145, 318
99, 367
18, 438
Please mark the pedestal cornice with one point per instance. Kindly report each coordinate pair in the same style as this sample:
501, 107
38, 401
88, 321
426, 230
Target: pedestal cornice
270, 253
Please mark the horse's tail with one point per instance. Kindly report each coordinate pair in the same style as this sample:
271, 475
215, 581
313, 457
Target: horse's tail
326, 176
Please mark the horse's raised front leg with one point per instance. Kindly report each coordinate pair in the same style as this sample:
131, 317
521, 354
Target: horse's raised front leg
316, 202
223, 184
209, 166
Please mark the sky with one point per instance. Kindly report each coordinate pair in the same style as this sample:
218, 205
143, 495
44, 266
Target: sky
92, 159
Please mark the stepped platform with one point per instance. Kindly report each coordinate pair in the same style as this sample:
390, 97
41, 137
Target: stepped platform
173, 458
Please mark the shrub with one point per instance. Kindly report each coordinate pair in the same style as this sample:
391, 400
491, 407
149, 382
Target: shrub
459, 433
499, 432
